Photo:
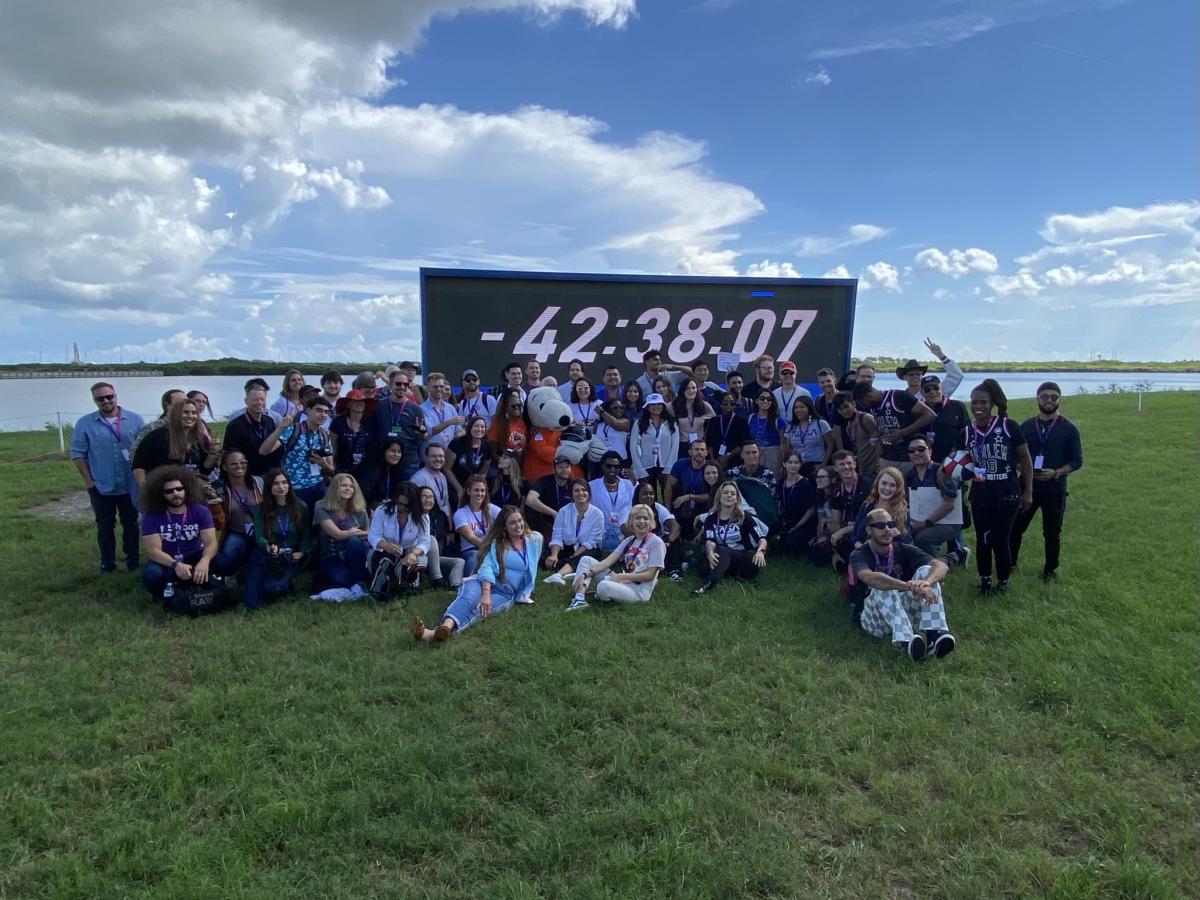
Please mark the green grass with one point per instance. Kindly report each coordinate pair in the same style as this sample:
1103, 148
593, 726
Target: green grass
750, 744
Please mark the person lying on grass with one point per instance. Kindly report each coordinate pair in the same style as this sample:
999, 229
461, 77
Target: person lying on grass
904, 599
507, 574
629, 573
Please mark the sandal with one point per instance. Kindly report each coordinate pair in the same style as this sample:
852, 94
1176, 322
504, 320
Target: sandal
441, 633
418, 629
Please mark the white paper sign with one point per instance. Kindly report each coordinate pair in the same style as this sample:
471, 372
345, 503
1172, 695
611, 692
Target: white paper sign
728, 362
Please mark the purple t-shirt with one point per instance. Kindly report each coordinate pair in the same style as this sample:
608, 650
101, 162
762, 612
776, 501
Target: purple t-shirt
180, 533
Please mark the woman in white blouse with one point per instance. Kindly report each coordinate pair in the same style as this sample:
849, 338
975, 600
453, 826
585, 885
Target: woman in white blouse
578, 531
399, 540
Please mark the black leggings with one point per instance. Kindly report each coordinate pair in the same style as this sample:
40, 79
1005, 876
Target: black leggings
738, 563
993, 531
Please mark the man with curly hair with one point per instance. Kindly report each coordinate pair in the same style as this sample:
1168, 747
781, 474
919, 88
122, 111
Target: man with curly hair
177, 529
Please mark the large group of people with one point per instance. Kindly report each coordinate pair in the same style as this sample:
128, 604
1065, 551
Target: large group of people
400, 483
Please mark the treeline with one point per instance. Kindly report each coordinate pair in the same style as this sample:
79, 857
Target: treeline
888, 363
225, 366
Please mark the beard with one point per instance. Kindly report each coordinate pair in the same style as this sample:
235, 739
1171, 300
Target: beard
1048, 408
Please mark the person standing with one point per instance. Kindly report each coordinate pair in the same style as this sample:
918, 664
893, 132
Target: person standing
443, 419
954, 375
788, 391
998, 493
249, 429
654, 367
725, 433
897, 414
950, 417
1057, 451
102, 449
288, 401
331, 387
398, 416
610, 388
472, 401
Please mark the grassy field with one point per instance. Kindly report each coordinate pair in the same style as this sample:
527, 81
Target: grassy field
748, 744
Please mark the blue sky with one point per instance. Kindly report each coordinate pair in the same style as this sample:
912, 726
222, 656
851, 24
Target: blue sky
1015, 178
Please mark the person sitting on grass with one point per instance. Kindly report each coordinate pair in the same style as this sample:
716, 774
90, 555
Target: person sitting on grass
281, 538
399, 537
629, 573
240, 494
472, 520
578, 531
735, 542
510, 554
666, 526
340, 519
903, 600
177, 529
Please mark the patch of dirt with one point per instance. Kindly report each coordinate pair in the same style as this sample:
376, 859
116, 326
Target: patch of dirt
71, 508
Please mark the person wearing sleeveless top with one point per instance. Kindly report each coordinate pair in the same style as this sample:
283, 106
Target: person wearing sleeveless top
998, 490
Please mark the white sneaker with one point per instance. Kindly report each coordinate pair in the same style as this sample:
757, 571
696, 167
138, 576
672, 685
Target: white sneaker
554, 579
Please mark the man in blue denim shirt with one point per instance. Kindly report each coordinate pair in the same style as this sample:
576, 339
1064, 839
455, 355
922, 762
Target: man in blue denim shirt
101, 448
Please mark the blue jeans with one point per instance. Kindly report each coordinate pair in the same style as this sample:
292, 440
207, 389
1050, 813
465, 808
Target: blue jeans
267, 578
350, 569
235, 551
464, 609
470, 558
155, 575
106, 508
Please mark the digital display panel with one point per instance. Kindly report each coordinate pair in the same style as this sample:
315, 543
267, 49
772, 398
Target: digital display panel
485, 319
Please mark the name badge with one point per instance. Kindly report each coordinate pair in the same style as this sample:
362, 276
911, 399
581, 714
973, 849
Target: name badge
314, 470
721, 450
692, 436
125, 454
1039, 461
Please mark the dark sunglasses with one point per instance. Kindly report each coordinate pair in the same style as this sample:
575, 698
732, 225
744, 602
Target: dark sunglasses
1040, 397
107, 398
881, 524
174, 490
471, 378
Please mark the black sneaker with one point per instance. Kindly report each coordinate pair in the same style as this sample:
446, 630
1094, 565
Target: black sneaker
985, 586
917, 648
1048, 576
704, 588
943, 645
1001, 586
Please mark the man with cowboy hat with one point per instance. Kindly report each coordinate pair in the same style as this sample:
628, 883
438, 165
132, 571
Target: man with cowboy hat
913, 372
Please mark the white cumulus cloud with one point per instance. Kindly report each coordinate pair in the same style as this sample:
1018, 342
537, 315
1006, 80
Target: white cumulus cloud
957, 263
880, 275
768, 269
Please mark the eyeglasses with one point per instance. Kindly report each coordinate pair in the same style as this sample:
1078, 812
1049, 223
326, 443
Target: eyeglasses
912, 450
881, 524
471, 378
1040, 397
174, 490
107, 398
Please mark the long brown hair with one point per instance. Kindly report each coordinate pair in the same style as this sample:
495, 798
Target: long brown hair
269, 509
498, 534
180, 441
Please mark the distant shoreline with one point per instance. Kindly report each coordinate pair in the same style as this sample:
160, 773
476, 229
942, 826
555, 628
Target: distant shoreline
247, 367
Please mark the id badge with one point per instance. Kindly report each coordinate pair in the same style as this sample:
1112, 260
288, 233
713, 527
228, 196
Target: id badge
692, 436
248, 528
314, 470
1039, 461
125, 454
721, 450
356, 458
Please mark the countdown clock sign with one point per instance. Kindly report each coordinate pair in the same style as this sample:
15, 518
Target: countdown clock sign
485, 319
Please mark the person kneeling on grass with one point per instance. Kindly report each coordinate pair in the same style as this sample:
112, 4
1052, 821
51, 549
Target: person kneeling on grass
904, 598
629, 573
506, 575
177, 530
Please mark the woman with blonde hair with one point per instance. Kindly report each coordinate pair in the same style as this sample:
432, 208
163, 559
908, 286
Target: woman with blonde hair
735, 541
507, 574
629, 573
340, 519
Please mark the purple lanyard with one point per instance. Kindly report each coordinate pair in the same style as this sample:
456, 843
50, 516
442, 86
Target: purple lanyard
891, 559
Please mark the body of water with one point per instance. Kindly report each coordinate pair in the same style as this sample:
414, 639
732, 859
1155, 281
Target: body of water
29, 404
